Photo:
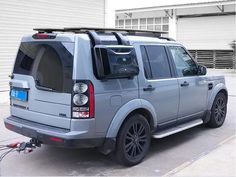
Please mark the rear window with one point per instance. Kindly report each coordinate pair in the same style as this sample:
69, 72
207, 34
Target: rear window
50, 64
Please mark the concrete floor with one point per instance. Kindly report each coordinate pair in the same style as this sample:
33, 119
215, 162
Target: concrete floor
165, 156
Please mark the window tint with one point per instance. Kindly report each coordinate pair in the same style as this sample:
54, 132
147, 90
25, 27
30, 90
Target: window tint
158, 62
184, 63
146, 64
50, 63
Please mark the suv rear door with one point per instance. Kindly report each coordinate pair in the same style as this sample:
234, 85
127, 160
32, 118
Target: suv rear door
43, 71
158, 84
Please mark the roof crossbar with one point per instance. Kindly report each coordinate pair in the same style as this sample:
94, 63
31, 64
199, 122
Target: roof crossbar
121, 39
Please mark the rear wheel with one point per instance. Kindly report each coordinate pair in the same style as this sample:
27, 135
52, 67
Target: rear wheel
133, 141
218, 111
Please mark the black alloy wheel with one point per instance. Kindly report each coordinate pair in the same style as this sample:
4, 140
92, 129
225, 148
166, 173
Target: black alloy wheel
218, 111
133, 140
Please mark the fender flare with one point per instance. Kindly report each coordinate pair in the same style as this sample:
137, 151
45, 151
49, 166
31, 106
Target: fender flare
125, 110
215, 91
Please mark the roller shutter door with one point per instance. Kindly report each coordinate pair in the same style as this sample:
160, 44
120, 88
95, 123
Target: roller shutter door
18, 17
206, 33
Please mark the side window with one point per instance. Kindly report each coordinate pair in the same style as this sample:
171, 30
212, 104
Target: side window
185, 65
146, 64
158, 60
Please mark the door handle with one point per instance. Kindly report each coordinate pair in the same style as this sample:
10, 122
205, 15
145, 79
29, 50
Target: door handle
184, 84
149, 88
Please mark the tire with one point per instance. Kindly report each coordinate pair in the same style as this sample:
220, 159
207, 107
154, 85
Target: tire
218, 111
133, 141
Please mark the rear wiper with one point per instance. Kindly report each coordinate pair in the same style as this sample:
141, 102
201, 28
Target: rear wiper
45, 88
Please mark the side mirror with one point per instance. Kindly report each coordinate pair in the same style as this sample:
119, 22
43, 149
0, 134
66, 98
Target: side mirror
202, 70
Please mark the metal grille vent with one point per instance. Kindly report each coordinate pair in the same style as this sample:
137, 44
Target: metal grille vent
219, 59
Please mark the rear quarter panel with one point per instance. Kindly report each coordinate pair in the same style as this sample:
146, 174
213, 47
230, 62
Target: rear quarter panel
110, 95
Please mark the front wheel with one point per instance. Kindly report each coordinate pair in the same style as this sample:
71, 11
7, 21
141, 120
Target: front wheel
133, 141
218, 111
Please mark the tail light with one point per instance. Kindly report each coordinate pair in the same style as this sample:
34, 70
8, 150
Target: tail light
44, 36
83, 99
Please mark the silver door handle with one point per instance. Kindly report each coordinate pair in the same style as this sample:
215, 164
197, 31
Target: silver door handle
149, 88
184, 84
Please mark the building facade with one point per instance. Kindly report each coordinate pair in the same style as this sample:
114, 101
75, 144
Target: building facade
19, 17
207, 29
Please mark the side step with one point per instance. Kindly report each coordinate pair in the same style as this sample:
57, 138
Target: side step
177, 129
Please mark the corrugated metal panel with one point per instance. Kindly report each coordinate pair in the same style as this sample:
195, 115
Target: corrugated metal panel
193, 54
18, 17
206, 57
224, 59
220, 59
206, 33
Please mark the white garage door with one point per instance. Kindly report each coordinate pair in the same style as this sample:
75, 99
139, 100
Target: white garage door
206, 33
19, 17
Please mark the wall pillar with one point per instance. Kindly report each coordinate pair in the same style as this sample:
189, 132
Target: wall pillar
109, 14
173, 25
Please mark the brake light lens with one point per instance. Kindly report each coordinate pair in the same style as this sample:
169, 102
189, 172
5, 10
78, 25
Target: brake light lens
91, 101
44, 36
83, 99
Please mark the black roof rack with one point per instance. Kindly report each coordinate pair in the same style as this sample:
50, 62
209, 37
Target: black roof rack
166, 38
117, 32
85, 29
49, 30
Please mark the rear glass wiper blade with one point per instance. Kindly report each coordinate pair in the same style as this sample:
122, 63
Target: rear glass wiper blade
45, 88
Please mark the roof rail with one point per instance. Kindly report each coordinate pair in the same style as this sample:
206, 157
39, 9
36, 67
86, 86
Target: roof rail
166, 38
84, 29
92, 32
49, 30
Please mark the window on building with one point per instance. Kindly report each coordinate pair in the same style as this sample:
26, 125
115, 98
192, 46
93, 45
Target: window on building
155, 23
143, 21
165, 27
134, 21
165, 20
158, 27
158, 20
128, 23
150, 21
121, 23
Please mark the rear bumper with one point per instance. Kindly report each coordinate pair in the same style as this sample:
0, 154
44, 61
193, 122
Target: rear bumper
52, 135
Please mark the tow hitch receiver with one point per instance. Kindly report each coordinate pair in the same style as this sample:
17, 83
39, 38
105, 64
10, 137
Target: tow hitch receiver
25, 147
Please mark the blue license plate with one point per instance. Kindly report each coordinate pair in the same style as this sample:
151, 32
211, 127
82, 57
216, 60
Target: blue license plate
19, 94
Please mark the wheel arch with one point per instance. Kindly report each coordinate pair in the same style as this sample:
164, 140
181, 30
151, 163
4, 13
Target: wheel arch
137, 106
219, 88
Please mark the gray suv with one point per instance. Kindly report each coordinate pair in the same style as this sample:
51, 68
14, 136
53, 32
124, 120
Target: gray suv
114, 89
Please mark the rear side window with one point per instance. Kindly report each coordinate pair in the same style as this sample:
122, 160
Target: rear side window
158, 62
146, 63
50, 63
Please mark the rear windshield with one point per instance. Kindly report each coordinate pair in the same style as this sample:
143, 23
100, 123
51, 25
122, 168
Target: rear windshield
50, 64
